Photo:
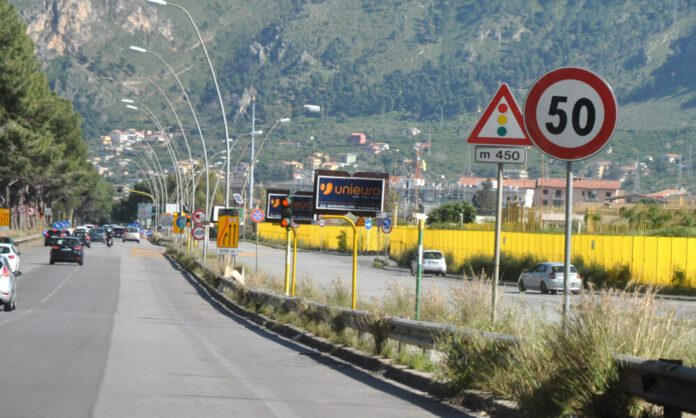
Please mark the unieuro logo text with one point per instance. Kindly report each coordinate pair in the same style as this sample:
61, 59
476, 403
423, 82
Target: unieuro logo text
275, 203
328, 188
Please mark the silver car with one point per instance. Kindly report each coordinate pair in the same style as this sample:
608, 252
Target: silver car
548, 277
433, 262
8, 285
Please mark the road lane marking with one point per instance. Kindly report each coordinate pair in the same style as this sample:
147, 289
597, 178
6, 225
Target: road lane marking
49, 296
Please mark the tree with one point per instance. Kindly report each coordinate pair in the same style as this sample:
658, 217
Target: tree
484, 199
449, 212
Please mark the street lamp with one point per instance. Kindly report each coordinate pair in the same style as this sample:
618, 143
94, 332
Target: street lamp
195, 118
170, 149
217, 89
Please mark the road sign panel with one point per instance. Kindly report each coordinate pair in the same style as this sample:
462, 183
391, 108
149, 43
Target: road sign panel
31, 211
227, 251
198, 216
228, 232
501, 122
181, 222
48, 212
368, 223
4, 219
386, 228
321, 222
198, 232
302, 206
339, 192
257, 215
570, 113
511, 155
387, 222
22, 209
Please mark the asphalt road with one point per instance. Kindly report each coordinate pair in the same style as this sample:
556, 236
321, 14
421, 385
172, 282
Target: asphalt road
128, 335
378, 283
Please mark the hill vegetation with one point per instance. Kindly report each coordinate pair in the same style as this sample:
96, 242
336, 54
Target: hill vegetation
383, 67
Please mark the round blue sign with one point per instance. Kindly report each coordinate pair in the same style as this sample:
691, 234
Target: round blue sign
181, 222
387, 222
368, 223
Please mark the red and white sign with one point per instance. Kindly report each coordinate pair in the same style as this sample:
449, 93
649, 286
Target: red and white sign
198, 216
31, 211
198, 232
570, 113
22, 209
501, 123
257, 215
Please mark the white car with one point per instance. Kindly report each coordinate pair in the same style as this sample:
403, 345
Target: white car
433, 262
131, 234
548, 277
8, 285
11, 252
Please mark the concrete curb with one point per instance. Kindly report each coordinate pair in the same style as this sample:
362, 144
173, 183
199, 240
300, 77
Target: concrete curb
421, 381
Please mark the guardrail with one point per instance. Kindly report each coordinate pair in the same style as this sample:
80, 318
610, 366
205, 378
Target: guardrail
661, 382
22, 240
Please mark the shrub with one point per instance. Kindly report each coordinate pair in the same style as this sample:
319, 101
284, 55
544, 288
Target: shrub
343, 241
600, 277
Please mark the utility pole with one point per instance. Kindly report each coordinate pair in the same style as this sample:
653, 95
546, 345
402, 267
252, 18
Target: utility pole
251, 163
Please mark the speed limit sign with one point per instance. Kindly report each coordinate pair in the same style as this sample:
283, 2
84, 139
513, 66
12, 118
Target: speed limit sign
570, 113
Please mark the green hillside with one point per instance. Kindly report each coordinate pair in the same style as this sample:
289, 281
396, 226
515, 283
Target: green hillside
382, 67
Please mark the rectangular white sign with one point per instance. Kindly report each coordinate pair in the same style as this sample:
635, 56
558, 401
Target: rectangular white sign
509, 155
227, 251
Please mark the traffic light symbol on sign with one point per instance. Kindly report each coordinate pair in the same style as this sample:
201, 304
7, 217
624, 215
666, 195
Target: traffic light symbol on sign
286, 212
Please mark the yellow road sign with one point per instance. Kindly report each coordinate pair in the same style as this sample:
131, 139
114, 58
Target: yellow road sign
4, 218
228, 232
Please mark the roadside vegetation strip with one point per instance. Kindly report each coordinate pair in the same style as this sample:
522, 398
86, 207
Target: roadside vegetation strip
550, 371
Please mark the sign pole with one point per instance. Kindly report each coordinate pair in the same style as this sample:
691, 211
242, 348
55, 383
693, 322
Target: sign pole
419, 273
256, 266
294, 262
287, 261
496, 262
568, 232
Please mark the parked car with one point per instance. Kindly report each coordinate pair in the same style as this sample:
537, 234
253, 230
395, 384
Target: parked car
433, 262
68, 249
131, 234
8, 285
12, 254
548, 277
98, 235
84, 238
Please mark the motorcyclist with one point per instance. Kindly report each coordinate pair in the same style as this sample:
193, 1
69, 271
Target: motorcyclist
109, 237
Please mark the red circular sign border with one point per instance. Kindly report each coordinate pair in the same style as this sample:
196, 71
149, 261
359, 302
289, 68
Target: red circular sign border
194, 215
601, 138
257, 210
194, 235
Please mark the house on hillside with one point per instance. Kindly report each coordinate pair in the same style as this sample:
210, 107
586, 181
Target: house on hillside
551, 192
357, 139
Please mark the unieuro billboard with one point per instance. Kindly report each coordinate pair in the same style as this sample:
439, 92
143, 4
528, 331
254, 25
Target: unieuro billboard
302, 206
339, 193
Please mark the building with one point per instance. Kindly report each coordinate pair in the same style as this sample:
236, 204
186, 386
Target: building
348, 158
551, 192
357, 139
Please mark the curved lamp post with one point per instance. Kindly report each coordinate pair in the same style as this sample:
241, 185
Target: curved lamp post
195, 118
170, 149
217, 89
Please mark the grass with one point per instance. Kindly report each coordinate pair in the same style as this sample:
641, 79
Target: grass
552, 371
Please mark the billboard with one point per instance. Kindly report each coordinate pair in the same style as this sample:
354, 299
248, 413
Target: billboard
302, 206
339, 193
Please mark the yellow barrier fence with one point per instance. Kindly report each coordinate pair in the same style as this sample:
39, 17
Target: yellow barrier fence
651, 260
329, 237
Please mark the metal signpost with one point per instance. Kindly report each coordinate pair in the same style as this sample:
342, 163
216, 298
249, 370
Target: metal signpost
570, 114
257, 216
337, 193
501, 133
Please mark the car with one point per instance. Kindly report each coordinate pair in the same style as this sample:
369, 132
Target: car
131, 234
51, 235
8, 285
84, 237
433, 262
548, 277
98, 235
12, 253
118, 231
7, 240
67, 249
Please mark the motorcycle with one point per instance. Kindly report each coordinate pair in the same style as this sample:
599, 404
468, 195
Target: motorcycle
109, 241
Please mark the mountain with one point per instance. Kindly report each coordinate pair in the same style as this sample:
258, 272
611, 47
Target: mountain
380, 67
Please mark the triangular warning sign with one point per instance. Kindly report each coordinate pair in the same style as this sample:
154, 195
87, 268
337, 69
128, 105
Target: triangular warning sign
501, 123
